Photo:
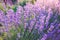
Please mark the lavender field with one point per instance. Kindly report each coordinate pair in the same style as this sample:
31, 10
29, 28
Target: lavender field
29, 19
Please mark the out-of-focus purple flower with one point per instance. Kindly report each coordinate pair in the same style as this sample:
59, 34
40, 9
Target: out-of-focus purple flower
10, 2
19, 15
10, 15
44, 37
2, 16
57, 38
3, 20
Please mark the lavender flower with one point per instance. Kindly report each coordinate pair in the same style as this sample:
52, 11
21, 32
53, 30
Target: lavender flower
10, 15
19, 15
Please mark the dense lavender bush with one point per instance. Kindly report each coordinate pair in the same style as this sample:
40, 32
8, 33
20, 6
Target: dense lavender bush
31, 22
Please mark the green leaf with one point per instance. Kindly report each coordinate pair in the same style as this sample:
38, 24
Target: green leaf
23, 3
14, 8
59, 18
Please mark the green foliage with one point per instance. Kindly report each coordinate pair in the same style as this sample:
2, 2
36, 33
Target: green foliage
14, 8
22, 3
13, 33
59, 18
24, 34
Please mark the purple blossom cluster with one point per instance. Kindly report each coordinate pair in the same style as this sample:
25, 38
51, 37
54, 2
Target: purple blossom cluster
11, 18
45, 20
